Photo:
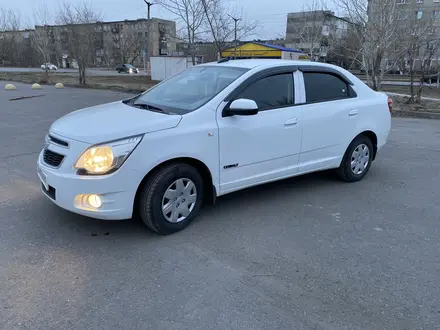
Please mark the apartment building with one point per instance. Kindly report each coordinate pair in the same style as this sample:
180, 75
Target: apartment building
313, 32
418, 32
127, 41
15, 48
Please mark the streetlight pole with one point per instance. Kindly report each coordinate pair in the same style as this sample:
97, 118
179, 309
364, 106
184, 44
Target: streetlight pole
235, 35
146, 48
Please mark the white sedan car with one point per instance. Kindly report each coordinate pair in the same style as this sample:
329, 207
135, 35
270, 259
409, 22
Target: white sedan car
49, 66
208, 131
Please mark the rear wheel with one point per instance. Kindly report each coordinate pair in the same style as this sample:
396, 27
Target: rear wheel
357, 160
171, 198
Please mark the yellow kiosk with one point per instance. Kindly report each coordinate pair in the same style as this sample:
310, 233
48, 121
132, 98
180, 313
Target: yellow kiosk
260, 50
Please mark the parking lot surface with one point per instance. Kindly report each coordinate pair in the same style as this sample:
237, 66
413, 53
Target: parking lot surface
304, 253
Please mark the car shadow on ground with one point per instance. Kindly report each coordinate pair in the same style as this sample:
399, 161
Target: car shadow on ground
251, 197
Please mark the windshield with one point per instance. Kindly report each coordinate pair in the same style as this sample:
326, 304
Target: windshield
128, 65
191, 88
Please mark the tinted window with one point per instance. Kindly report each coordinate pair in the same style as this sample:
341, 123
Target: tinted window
271, 92
321, 87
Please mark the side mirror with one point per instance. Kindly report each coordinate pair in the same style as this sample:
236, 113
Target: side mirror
241, 107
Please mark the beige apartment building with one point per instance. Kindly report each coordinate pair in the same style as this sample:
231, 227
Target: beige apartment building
314, 32
127, 41
419, 29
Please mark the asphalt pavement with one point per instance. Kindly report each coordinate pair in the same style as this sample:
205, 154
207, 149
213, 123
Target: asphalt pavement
305, 253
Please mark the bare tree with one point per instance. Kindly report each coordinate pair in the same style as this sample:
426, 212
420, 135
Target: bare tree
129, 45
190, 12
375, 25
80, 23
41, 36
346, 50
415, 46
10, 24
220, 22
430, 51
311, 29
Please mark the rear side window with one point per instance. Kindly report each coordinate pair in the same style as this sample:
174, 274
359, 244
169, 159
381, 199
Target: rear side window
322, 87
271, 92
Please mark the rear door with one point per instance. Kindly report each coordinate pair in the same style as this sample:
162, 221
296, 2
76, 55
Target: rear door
329, 118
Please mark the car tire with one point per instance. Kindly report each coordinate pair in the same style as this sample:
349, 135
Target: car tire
357, 160
159, 190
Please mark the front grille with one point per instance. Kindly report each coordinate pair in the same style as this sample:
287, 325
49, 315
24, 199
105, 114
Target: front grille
58, 141
52, 158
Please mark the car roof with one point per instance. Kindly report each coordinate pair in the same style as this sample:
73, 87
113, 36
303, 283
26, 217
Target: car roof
253, 63
262, 64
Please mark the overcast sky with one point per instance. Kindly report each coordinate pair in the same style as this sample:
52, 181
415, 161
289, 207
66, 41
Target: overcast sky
271, 14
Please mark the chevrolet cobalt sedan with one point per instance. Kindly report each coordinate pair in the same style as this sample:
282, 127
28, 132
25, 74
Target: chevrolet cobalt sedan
210, 130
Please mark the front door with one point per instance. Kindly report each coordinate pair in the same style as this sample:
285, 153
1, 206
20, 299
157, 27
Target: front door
263, 147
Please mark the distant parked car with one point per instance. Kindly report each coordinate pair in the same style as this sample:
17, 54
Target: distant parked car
49, 66
128, 68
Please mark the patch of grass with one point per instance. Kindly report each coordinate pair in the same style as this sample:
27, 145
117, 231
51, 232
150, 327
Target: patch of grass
428, 91
400, 103
388, 77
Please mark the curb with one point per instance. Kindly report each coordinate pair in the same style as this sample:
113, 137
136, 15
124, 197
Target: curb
416, 114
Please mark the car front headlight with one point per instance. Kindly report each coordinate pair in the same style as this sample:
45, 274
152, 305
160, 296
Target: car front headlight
106, 157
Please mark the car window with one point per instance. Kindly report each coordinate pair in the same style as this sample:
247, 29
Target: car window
321, 87
271, 92
191, 88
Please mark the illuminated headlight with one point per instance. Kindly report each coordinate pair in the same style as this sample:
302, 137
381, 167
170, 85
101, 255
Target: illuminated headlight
106, 157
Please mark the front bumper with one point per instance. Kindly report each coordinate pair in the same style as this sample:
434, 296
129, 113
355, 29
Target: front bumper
65, 187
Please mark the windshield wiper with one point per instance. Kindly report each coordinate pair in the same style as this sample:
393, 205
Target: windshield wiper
131, 100
147, 107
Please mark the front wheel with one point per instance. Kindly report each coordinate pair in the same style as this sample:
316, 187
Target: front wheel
171, 198
357, 160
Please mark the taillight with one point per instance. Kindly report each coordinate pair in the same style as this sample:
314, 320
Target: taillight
390, 104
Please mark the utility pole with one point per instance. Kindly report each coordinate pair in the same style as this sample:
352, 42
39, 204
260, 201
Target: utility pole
149, 4
146, 48
235, 35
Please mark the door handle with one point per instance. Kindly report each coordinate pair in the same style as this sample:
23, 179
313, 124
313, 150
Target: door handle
291, 122
353, 113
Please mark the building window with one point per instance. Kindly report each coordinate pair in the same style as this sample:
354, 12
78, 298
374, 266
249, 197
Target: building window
419, 14
436, 14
